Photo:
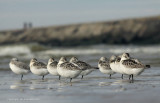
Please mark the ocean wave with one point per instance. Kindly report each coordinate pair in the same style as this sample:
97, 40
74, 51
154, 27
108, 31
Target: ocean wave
103, 50
73, 51
25, 50
15, 51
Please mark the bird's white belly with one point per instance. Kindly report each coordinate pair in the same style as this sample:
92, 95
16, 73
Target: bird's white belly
86, 72
113, 67
52, 71
134, 71
39, 72
106, 71
116, 68
68, 73
137, 71
18, 70
119, 69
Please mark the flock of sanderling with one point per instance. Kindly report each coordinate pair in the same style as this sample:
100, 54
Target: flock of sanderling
123, 64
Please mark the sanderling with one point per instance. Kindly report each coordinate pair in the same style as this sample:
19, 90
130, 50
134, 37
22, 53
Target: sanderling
67, 69
52, 67
115, 64
130, 66
38, 68
19, 67
104, 66
83, 65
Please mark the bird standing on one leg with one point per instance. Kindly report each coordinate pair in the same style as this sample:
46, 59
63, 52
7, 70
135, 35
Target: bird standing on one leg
104, 66
52, 67
38, 68
19, 67
86, 68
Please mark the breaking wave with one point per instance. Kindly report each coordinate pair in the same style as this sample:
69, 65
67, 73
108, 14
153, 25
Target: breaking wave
102, 49
15, 51
25, 50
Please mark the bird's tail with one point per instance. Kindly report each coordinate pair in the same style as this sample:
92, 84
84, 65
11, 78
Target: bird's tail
95, 68
147, 66
83, 69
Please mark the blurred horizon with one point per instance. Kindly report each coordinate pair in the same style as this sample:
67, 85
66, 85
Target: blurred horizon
59, 12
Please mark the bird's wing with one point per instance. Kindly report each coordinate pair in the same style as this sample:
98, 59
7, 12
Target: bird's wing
54, 64
69, 66
104, 64
23, 65
83, 65
40, 65
132, 64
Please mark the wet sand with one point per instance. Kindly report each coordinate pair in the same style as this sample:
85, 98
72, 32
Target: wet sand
94, 88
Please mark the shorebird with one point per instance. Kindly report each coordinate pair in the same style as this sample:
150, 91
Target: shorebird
115, 64
104, 66
38, 68
131, 66
83, 65
52, 67
19, 67
67, 69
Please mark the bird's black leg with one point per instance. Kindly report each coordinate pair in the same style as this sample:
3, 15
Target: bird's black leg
82, 77
71, 81
110, 76
59, 77
122, 76
43, 77
132, 77
21, 76
129, 77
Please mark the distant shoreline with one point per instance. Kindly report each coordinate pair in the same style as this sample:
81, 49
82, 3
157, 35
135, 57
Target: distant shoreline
139, 31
